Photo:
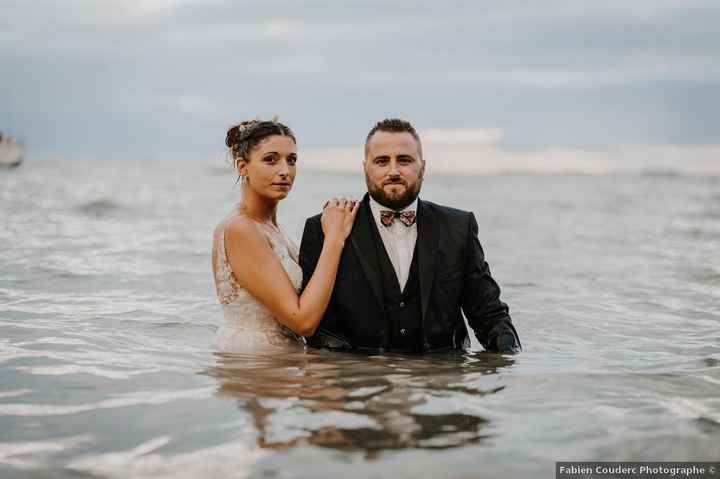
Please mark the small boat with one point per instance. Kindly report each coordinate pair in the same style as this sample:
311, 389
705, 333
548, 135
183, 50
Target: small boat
11, 152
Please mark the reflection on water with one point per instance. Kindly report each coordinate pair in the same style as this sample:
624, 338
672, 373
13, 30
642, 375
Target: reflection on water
359, 402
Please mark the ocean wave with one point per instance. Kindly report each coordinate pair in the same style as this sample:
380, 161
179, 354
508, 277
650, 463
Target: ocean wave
146, 398
101, 207
692, 408
29, 454
661, 172
14, 393
65, 369
233, 459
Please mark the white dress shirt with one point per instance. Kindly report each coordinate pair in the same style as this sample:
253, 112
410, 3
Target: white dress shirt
399, 240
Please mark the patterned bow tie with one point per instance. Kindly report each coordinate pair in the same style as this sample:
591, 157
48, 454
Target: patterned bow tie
406, 217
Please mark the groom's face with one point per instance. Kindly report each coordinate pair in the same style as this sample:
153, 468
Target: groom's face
394, 169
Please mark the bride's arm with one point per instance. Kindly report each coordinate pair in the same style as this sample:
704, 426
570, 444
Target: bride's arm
258, 269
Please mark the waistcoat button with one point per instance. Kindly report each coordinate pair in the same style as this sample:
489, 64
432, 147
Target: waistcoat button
402, 304
402, 331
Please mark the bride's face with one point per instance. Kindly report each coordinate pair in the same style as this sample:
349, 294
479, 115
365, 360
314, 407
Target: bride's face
270, 170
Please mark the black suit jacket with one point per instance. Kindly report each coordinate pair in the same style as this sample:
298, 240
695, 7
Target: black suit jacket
453, 277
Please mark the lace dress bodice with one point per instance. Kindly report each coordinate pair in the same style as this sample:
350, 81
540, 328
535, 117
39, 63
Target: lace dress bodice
248, 325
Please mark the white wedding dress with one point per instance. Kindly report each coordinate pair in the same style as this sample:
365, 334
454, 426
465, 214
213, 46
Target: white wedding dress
249, 326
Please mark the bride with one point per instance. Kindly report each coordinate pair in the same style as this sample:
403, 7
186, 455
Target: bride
255, 264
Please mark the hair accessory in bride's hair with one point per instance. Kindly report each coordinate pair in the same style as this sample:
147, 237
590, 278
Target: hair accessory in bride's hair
239, 133
241, 138
244, 128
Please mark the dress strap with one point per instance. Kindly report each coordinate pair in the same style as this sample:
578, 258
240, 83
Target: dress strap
222, 255
277, 237
227, 285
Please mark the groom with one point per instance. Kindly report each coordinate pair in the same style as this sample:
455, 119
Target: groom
409, 266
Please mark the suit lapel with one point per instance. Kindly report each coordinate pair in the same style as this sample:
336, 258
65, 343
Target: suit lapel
363, 241
427, 249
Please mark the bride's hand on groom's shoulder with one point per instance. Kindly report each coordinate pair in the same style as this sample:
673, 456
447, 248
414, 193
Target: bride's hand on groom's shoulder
338, 217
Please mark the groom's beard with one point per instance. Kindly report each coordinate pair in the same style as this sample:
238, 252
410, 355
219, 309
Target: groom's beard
391, 201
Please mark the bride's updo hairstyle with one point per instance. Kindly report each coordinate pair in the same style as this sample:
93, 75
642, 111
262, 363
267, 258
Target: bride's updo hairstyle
242, 138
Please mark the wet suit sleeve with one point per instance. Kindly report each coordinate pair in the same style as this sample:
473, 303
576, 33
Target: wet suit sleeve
487, 315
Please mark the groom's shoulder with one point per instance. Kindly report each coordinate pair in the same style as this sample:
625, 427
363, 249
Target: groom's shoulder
447, 213
313, 219
313, 225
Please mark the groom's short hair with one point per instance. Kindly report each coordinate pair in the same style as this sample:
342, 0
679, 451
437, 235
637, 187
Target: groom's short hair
394, 125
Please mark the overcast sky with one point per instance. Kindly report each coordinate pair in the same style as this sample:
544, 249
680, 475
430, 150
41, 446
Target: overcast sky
492, 85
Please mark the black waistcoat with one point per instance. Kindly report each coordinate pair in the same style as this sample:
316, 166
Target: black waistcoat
403, 309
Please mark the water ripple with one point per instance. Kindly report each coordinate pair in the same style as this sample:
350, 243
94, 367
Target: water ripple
125, 400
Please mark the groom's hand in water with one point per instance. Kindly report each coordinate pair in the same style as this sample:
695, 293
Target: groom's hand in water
338, 217
506, 343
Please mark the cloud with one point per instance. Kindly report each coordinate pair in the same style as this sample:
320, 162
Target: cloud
562, 75
464, 136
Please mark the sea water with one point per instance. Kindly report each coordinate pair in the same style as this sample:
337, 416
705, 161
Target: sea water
108, 313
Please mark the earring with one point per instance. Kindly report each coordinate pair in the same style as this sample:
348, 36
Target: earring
242, 179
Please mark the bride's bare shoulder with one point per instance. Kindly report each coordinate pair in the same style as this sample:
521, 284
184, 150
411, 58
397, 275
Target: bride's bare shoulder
233, 223
241, 230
